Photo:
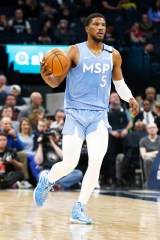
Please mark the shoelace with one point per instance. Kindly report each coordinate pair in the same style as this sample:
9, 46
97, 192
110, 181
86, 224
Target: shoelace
43, 192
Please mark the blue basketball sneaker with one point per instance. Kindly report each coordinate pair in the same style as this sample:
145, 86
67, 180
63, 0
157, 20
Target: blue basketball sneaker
42, 189
78, 216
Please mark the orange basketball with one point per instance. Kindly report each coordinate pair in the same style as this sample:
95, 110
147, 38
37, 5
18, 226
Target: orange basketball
57, 61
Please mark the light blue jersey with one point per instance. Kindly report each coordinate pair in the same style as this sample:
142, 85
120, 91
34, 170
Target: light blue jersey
88, 84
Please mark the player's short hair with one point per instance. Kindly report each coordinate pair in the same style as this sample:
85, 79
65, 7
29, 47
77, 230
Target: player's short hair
91, 16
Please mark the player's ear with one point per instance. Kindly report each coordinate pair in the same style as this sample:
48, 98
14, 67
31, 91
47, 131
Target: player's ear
86, 28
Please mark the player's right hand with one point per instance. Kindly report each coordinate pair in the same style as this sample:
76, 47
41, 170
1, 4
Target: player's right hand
45, 71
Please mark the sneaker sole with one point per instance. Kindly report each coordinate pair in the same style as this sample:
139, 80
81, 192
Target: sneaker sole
72, 220
34, 193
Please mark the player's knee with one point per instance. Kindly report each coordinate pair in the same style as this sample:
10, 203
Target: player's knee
70, 167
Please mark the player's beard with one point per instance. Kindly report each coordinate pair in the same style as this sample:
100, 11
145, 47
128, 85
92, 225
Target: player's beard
97, 40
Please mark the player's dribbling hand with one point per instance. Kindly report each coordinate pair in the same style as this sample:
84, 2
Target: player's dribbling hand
134, 107
45, 71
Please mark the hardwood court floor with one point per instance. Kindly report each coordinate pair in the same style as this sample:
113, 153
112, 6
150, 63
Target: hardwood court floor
114, 217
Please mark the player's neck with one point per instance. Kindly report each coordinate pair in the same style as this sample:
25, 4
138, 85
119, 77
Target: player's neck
94, 47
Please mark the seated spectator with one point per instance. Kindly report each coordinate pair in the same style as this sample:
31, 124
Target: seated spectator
120, 120
31, 9
136, 34
149, 50
127, 162
4, 89
13, 140
48, 11
63, 34
12, 102
46, 32
59, 120
18, 24
36, 101
11, 168
146, 115
6, 111
3, 23
85, 8
25, 135
157, 112
39, 132
147, 27
150, 95
49, 153
149, 148
16, 91
154, 11
49, 117
111, 36
34, 117
66, 14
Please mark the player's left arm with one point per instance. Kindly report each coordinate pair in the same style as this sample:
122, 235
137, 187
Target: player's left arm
122, 89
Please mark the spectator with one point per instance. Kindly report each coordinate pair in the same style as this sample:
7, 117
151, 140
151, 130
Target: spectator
3, 84
13, 140
63, 34
11, 167
18, 24
157, 112
59, 120
49, 120
127, 162
147, 27
149, 50
49, 153
31, 9
111, 36
146, 115
16, 91
48, 11
41, 128
34, 117
36, 101
27, 139
120, 121
46, 32
6, 111
12, 102
154, 11
85, 8
149, 147
3, 23
25, 135
136, 35
66, 14
150, 95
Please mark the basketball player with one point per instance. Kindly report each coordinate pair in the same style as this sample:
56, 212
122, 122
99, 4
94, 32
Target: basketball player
93, 65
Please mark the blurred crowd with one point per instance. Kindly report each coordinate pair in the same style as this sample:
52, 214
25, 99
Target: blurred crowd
31, 140
61, 21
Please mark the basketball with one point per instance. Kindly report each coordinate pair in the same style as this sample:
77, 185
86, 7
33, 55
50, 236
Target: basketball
57, 61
